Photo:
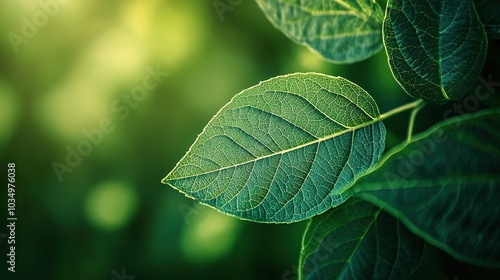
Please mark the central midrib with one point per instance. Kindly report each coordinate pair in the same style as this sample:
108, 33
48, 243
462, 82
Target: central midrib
318, 140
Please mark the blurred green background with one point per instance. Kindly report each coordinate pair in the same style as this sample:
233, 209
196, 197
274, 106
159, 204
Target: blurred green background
108, 211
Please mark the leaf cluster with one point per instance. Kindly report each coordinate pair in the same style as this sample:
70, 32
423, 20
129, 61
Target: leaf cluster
311, 146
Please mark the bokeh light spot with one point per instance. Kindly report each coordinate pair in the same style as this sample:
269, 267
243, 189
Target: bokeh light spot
209, 235
110, 205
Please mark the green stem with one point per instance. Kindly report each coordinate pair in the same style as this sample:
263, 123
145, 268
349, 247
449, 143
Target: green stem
412, 105
415, 106
411, 123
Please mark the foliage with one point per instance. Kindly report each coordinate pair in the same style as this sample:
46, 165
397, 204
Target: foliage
310, 146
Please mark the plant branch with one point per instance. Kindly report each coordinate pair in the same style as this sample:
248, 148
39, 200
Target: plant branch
409, 106
411, 122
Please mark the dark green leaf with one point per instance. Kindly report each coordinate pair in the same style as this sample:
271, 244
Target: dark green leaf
356, 240
284, 150
489, 13
436, 48
344, 31
445, 185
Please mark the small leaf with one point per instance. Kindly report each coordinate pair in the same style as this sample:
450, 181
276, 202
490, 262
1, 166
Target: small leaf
356, 240
436, 48
284, 150
343, 31
489, 13
445, 186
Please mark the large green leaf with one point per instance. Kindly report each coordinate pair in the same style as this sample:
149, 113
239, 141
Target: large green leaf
489, 13
283, 150
445, 185
356, 240
436, 48
343, 31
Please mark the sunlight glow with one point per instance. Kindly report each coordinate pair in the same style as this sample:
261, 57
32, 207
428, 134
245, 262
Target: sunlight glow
110, 205
209, 236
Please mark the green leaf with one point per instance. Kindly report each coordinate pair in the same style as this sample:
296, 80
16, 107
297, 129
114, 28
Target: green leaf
356, 240
343, 31
284, 150
436, 48
489, 13
445, 186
